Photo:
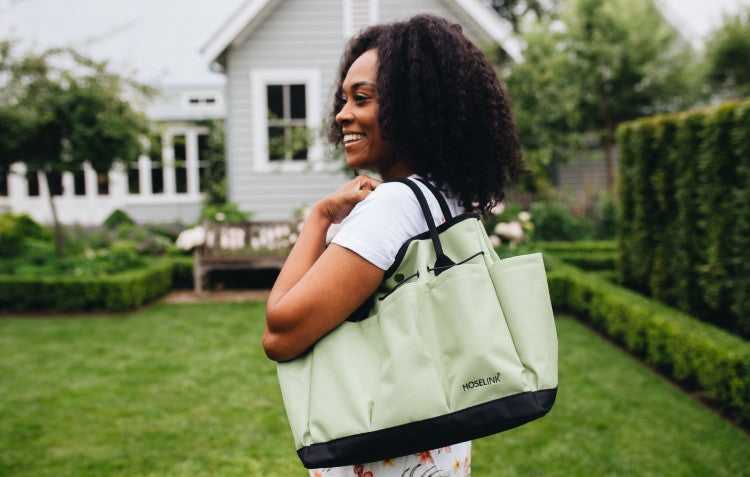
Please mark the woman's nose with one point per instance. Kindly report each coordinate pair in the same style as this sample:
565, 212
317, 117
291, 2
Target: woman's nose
343, 116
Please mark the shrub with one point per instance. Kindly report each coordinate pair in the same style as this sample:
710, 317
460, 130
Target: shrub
696, 354
15, 230
226, 212
556, 221
116, 219
117, 292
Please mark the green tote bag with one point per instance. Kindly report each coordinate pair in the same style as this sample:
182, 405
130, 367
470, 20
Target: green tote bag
456, 344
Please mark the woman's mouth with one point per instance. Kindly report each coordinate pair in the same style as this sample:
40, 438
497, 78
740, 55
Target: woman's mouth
353, 137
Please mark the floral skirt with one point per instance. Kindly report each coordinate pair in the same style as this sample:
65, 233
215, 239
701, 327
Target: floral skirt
451, 461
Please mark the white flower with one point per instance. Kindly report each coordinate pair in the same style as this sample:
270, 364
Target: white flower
495, 240
524, 216
510, 230
190, 238
498, 209
220, 216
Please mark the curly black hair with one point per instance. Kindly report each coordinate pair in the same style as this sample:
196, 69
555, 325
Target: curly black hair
440, 104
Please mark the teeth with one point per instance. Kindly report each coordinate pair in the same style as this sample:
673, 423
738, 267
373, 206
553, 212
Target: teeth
353, 137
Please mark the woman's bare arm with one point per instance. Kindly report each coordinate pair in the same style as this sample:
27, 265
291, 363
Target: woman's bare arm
319, 287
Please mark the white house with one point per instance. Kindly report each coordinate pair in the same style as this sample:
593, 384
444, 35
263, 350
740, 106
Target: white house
277, 56
158, 43
280, 58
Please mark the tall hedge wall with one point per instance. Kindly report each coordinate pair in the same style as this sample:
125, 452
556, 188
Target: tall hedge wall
684, 211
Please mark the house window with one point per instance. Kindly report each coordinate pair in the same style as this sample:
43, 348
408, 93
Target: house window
205, 100
180, 167
3, 183
157, 178
79, 182
203, 148
102, 183
134, 179
33, 183
287, 123
54, 182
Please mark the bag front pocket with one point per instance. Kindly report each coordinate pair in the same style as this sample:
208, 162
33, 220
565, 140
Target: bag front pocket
410, 388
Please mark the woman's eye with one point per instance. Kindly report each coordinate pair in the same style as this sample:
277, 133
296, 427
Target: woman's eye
360, 98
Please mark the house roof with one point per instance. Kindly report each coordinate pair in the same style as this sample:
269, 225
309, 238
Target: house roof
157, 40
253, 12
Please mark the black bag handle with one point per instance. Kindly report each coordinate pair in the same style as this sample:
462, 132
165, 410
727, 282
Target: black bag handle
443, 262
439, 196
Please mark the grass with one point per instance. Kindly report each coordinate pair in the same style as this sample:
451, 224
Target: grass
186, 390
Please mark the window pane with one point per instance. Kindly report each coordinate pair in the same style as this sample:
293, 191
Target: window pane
297, 92
3, 183
54, 182
180, 177
178, 143
202, 179
202, 146
33, 180
134, 180
102, 184
202, 162
157, 178
276, 143
275, 101
79, 183
299, 140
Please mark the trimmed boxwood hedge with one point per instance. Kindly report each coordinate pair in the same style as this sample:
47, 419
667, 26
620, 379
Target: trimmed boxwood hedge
118, 292
694, 353
684, 211
588, 254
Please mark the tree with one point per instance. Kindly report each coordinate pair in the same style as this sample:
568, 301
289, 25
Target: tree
59, 110
728, 56
516, 10
600, 63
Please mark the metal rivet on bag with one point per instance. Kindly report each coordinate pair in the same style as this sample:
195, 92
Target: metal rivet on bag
399, 277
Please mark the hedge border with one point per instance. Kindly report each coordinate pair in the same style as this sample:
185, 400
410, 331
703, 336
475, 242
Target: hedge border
696, 354
119, 292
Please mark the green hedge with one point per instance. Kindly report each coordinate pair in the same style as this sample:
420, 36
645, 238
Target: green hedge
684, 211
182, 272
122, 291
589, 255
696, 354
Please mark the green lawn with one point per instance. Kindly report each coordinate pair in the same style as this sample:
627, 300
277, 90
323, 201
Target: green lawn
186, 390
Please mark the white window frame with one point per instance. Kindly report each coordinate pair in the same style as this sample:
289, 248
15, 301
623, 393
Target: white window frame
259, 80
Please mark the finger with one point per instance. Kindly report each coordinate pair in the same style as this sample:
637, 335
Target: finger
368, 182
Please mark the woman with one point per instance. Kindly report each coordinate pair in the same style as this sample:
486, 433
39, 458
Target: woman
413, 98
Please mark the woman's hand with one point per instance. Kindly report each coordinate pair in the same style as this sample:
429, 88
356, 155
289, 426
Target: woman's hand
339, 204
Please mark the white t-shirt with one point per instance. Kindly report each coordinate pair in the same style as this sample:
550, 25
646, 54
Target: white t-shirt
378, 226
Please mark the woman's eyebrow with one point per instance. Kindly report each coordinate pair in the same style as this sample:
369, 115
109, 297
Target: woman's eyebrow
359, 84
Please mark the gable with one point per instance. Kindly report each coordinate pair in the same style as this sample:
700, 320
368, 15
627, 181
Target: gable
484, 25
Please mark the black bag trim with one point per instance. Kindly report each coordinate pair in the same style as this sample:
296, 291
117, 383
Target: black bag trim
426, 235
467, 424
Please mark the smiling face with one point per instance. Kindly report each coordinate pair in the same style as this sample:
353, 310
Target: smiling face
358, 118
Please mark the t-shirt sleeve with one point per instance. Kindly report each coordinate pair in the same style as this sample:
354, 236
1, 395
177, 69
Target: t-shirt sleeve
378, 226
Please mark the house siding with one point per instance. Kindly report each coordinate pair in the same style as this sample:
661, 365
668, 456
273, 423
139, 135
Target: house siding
299, 34
400, 10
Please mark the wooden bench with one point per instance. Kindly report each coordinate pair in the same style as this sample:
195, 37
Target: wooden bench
241, 246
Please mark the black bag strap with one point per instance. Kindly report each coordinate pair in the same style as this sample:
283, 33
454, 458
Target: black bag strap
443, 262
439, 196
